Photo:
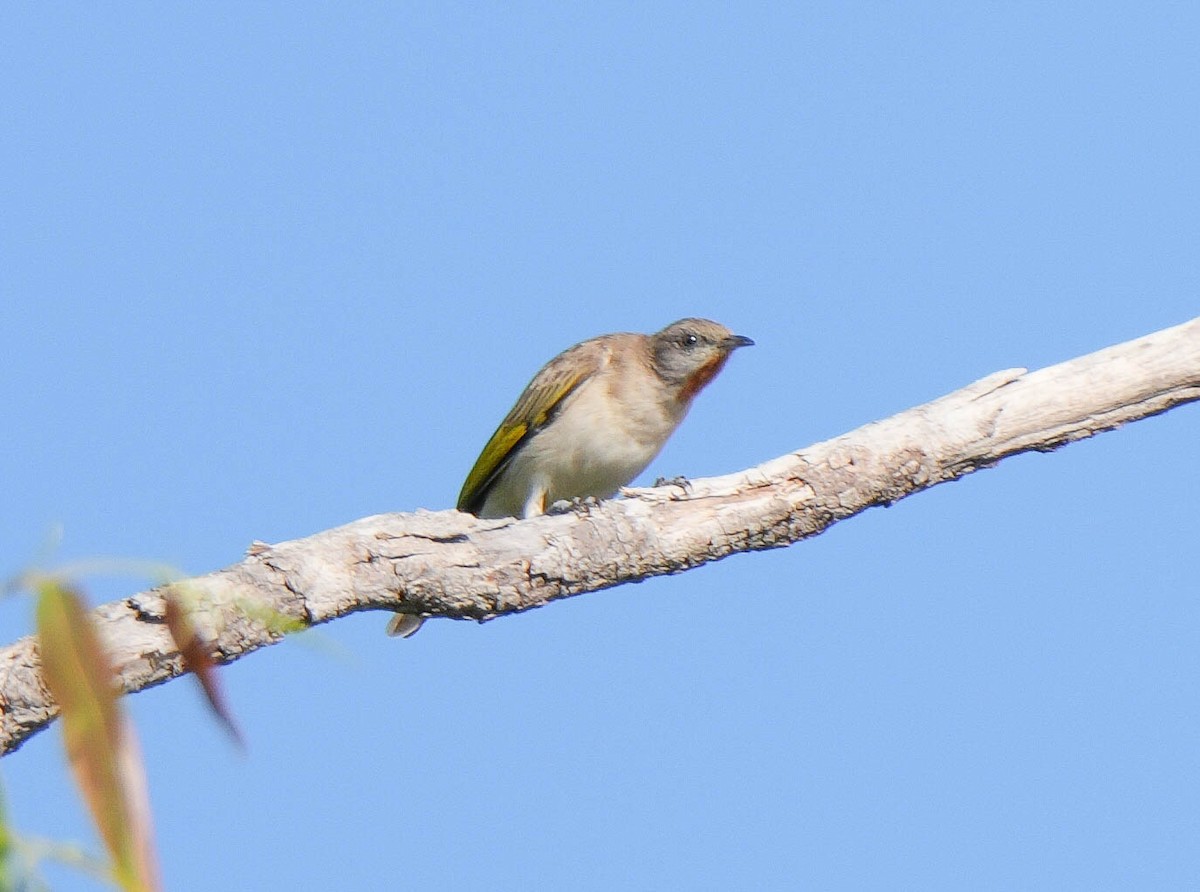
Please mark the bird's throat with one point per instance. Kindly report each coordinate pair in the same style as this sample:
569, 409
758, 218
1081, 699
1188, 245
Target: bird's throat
700, 378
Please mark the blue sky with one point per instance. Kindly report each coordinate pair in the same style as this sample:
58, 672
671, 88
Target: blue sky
268, 269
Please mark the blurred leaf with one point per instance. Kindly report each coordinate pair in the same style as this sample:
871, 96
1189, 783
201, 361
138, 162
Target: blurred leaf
101, 746
7, 870
303, 635
197, 659
272, 620
34, 851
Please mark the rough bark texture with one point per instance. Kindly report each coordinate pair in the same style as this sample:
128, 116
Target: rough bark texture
449, 564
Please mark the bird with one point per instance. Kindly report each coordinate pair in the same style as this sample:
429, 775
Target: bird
590, 421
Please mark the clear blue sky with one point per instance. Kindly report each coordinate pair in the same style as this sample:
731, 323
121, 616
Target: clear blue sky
270, 268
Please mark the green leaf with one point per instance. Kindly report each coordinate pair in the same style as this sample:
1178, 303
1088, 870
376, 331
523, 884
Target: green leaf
7, 870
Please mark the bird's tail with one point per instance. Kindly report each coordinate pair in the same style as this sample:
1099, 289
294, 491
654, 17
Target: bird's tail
404, 625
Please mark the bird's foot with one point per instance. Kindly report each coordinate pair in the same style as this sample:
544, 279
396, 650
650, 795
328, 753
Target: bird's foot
565, 506
680, 481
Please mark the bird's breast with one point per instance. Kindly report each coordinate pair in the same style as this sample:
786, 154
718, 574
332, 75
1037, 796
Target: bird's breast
594, 445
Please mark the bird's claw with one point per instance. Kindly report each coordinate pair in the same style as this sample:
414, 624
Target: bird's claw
565, 506
680, 481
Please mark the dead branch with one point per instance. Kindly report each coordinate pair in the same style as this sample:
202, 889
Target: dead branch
449, 564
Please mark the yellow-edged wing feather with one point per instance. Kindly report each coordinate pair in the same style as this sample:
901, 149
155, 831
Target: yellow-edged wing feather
536, 406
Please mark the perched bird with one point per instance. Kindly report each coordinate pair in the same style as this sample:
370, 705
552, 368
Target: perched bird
590, 421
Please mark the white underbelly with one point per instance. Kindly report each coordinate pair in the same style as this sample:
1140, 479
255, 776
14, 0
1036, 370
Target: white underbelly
585, 451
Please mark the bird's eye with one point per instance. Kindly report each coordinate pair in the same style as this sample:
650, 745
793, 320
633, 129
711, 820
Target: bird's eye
689, 340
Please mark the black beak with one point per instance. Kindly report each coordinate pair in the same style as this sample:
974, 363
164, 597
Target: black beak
734, 341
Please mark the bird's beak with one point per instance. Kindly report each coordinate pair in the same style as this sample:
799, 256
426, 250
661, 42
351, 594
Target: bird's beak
734, 341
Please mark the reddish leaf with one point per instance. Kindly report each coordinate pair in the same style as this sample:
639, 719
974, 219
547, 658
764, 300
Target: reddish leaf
197, 659
100, 742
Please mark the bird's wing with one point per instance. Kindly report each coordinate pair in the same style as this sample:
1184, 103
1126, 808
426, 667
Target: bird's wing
535, 408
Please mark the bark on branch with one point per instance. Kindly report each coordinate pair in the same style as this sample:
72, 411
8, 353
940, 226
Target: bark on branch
449, 564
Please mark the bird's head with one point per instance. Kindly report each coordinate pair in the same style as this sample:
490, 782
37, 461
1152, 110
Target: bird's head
689, 353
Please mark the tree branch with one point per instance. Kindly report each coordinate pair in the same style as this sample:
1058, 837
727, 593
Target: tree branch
450, 564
